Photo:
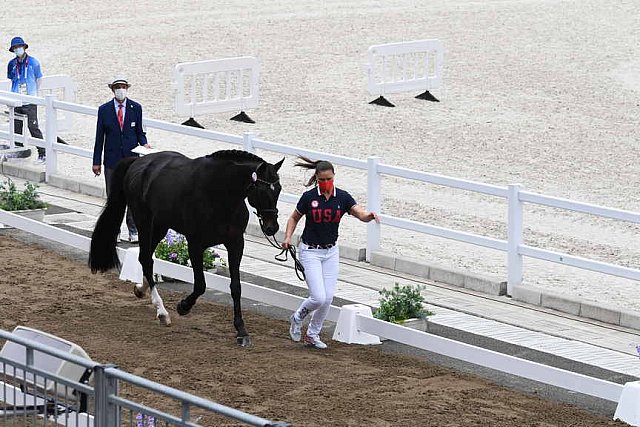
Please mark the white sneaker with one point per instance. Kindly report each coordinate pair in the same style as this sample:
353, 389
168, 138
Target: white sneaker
294, 329
314, 342
133, 237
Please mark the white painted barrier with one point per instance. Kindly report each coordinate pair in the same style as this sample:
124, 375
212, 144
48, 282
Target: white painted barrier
347, 330
217, 85
407, 66
375, 170
628, 409
362, 322
491, 359
60, 85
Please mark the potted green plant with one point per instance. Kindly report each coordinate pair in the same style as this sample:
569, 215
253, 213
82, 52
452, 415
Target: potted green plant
174, 248
403, 305
26, 202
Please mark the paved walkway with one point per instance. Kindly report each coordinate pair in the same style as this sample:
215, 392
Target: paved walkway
591, 343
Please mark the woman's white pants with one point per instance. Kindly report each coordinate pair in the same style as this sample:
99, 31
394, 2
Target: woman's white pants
321, 273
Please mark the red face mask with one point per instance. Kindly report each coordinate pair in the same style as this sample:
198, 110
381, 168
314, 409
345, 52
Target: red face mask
326, 186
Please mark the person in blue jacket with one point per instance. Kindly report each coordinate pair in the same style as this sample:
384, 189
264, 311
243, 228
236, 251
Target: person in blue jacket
118, 131
324, 206
25, 74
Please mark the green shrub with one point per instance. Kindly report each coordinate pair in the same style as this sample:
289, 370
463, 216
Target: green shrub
401, 303
11, 199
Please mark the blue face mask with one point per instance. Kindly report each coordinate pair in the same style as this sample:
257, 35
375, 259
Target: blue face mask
19, 51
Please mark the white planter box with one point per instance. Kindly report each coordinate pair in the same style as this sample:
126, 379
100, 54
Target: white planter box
419, 324
160, 278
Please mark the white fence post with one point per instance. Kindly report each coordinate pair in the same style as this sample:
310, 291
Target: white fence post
247, 145
51, 137
12, 127
514, 238
247, 142
373, 205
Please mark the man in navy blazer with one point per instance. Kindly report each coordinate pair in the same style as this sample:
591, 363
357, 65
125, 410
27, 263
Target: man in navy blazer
118, 131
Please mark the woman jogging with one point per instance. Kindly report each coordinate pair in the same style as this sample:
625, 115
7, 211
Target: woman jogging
324, 205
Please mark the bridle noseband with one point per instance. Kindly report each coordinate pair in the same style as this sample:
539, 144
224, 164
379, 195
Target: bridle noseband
298, 268
260, 212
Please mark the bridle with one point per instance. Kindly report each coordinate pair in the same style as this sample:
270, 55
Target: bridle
260, 212
291, 250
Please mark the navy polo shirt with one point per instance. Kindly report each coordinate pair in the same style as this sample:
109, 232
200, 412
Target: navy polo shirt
322, 215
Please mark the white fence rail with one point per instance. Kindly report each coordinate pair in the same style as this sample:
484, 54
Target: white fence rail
439, 345
516, 197
58, 85
216, 85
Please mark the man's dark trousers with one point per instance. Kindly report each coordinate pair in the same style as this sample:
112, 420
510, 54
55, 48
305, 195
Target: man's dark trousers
31, 111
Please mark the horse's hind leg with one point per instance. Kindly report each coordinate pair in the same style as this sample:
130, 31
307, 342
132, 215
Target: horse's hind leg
148, 242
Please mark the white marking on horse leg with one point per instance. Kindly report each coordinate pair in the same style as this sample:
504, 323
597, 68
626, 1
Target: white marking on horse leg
161, 313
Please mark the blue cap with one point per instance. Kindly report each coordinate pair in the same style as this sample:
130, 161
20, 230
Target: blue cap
17, 41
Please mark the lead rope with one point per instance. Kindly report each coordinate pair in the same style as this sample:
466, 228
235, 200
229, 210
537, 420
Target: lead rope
283, 256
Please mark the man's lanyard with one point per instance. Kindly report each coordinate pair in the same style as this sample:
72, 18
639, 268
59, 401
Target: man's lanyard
26, 65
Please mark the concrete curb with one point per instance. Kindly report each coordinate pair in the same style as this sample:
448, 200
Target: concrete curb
436, 273
441, 274
577, 307
21, 169
70, 184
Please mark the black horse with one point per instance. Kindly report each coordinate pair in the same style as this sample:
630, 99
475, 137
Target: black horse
203, 199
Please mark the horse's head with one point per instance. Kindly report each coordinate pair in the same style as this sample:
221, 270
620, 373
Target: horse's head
263, 194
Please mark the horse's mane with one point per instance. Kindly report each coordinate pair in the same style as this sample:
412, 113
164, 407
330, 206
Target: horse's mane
234, 155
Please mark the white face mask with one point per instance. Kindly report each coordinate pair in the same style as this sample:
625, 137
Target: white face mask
19, 51
121, 94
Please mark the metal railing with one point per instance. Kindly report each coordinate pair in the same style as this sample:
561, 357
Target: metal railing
109, 407
514, 194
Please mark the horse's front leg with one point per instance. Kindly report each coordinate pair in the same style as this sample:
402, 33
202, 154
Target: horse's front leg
199, 284
234, 252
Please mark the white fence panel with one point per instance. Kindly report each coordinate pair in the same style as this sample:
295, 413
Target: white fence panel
402, 67
516, 197
60, 85
217, 85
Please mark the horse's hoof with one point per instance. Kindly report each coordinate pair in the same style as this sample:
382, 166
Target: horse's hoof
180, 309
138, 291
164, 319
244, 341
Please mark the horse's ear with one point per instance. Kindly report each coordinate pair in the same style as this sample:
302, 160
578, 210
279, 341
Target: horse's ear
277, 165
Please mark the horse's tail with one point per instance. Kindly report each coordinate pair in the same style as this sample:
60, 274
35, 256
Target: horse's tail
103, 254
